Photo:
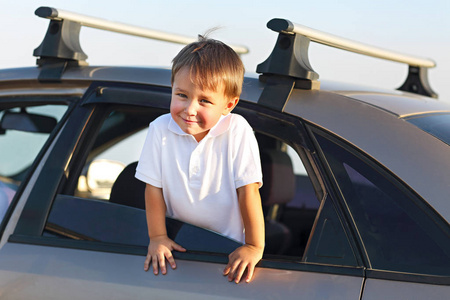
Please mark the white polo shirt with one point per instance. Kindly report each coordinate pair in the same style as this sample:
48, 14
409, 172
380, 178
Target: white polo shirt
199, 179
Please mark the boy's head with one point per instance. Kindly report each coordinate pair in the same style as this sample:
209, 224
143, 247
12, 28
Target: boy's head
211, 64
207, 80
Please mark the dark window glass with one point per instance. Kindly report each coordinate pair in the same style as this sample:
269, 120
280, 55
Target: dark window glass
329, 243
396, 230
436, 125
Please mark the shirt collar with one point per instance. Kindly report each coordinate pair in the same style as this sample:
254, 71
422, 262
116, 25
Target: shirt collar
222, 126
173, 126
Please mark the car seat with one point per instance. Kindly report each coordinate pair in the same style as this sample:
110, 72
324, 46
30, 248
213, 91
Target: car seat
127, 189
277, 190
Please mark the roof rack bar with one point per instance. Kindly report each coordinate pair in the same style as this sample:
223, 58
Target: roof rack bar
282, 25
289, 61
87, 21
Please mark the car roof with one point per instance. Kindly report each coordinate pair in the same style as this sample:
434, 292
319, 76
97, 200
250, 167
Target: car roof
401, 104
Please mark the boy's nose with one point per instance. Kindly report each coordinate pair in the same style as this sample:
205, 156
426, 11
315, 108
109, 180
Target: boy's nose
191, 108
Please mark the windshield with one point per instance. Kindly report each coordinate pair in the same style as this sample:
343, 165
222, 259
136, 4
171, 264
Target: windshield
23, 132
437, 125
19, 148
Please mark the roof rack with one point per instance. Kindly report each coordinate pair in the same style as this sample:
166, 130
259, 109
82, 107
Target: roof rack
61, 45
288, 65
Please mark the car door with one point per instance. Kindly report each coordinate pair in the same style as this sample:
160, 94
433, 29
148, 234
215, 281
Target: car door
72, 241
406, 242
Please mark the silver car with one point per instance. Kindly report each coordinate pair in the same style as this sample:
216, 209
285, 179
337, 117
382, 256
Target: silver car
355, 195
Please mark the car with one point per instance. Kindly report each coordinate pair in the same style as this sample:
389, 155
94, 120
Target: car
355, 193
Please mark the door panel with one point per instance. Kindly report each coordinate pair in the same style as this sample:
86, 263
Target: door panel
41, 272
385, 289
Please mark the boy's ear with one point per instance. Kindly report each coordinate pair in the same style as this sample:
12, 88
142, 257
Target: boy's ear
231, 105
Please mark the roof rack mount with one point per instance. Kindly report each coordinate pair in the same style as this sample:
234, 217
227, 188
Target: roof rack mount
289, 61
61, 44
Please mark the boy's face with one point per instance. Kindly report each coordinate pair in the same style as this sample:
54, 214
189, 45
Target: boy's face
195, 110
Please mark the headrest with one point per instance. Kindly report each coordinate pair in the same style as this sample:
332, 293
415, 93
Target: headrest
127, 189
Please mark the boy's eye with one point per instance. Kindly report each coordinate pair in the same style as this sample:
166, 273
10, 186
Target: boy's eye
181, 95
205, 101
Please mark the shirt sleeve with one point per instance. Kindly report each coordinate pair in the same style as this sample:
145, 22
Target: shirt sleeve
246, 160
149, 166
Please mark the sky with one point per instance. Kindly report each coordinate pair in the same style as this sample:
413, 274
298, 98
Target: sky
420, 28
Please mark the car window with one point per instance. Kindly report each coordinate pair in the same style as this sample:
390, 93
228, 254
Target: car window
23, 132
399, 232
102, 170
289, 201
437, 125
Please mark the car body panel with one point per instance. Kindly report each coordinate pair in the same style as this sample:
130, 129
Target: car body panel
386, 289
48, 272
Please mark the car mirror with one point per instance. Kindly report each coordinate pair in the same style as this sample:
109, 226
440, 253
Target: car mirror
101, 176
24, 121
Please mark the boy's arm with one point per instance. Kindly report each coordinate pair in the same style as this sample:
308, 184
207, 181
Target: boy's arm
247, 256
160, 247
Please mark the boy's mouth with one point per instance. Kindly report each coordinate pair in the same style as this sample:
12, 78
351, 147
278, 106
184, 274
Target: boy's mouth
190, 121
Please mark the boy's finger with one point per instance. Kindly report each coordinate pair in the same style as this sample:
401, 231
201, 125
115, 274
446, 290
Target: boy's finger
226, 270
233, 270
250, 270
162, 264
171, 260
240, 271
228, 267
178, 248
155, 265
147, 262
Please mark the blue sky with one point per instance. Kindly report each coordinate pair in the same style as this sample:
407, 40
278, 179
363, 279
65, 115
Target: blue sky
420, 28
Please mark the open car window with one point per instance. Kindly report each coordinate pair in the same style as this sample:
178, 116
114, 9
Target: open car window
106, 202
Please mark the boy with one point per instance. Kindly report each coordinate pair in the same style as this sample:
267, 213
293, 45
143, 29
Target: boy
201, 163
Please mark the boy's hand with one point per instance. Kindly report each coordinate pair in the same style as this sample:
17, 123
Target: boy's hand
160, 249
244, 257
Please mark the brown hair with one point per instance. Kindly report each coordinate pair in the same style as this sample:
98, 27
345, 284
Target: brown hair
211, 64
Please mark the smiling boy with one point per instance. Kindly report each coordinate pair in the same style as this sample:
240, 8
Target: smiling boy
201, 162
